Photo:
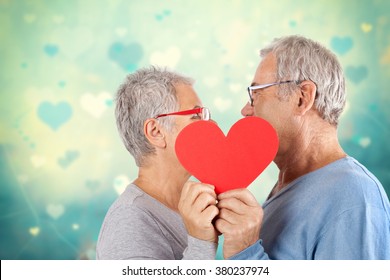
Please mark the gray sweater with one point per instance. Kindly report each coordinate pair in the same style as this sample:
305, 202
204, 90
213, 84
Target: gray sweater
137, 226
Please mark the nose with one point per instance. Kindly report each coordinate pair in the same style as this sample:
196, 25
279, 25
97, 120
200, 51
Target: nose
247, 110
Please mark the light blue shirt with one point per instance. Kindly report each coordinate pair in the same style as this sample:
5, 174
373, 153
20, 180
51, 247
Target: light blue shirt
339, 211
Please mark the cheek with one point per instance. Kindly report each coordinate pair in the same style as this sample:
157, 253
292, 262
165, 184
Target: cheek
182, 123
178, 128
267, 113
276, 114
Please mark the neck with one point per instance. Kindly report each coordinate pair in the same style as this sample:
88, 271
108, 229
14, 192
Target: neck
162, 183
309, 150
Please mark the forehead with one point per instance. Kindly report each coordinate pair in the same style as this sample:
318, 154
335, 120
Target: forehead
266, 71
186, 96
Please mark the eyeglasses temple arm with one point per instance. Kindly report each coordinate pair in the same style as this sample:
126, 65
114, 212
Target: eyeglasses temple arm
192, 111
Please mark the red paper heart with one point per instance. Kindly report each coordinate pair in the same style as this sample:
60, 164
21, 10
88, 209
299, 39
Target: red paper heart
227, 162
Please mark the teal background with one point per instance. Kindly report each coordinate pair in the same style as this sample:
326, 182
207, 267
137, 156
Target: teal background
62, 162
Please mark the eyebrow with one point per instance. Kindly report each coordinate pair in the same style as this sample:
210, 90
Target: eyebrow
254, 84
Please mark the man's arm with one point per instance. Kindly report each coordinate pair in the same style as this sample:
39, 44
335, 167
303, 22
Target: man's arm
239, 220
254, 252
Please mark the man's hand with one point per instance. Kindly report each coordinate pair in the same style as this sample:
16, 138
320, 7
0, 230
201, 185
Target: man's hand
198, 208
239, 220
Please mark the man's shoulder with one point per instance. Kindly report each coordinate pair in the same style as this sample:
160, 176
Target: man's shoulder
345, 172
351, 173
349, 180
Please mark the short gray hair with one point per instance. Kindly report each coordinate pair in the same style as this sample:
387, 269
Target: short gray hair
299, 58
145, 94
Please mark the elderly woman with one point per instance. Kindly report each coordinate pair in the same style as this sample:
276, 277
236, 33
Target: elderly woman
152, 106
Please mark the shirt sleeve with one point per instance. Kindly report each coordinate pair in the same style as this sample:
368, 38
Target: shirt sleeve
132, 234
199, 249
253, 252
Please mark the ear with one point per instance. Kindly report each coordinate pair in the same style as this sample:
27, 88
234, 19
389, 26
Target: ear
154, 133
307, 96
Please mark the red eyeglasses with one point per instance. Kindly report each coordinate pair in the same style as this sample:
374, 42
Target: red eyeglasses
202, 112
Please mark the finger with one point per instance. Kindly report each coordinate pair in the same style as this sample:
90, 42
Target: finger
195, 189
234, 205
210, 213
223, 226
203, 201
186, 188
243, 195
189, 187
229, 216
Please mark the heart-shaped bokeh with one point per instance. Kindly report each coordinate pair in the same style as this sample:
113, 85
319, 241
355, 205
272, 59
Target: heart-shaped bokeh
356, 73
54, 115
68, 158
169, 57
227, 162
55, 210
96, 105
50, 49
341, 45
127, 56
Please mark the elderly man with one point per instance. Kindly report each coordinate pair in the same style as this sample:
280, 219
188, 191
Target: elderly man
153, 105
325, 204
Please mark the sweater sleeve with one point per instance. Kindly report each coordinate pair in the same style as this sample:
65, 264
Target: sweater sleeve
199, 249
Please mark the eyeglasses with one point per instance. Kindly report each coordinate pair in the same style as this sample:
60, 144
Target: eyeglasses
202, 113
251, 89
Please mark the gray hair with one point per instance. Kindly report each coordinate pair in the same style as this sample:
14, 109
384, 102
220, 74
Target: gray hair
145, 94
299, 59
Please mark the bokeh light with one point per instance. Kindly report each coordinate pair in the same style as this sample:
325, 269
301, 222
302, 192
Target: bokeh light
62, 162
